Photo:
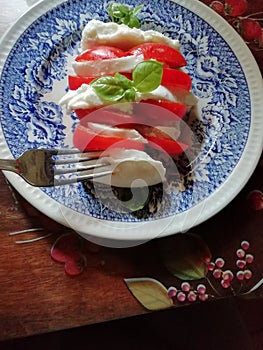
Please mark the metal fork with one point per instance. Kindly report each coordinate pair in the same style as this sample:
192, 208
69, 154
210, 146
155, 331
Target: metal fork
56, 167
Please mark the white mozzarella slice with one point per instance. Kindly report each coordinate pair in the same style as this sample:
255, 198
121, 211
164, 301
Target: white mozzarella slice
107, 130
120, 35
132, 168
84, 97
161, 93
108, 66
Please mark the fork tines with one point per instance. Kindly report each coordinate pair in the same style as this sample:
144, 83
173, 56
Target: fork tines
74, 154
71, 166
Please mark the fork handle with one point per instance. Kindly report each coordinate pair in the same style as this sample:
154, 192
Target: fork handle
8, 164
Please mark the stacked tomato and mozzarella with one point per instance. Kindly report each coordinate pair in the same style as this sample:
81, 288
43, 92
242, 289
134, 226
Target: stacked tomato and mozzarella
152, 120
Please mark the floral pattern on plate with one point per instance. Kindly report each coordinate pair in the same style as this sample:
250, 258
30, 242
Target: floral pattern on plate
34, 78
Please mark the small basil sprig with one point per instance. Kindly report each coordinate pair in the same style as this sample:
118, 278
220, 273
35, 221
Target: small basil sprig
146, 77
112, 88
122, 14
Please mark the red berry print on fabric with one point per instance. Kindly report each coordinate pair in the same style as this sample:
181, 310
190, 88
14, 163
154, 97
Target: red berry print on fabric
67, 249
218, 7
236, 8
255, 200
249, 26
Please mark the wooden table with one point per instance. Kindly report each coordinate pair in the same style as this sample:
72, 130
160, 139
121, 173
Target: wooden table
36, 294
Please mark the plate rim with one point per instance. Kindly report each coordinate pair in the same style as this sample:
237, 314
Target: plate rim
94, 228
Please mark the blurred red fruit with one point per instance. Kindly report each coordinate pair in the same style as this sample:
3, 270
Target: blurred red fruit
250, 29
236, 8
255, 199
218, 7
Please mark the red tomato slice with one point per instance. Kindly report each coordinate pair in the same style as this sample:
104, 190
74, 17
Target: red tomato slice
87, 140
160, 52
75, 81
104, 115
144, 112
176, 77
171, 77
168, 145
100, 53
161, 141
153, 114
82, 113
178, 110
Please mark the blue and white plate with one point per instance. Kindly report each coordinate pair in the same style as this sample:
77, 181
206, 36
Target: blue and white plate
35, 56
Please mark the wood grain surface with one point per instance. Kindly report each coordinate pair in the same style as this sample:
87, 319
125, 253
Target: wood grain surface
37, 296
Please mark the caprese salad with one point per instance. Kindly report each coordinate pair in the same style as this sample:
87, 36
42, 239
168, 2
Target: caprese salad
130, 93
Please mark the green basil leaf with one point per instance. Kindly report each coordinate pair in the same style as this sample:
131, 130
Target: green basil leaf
114, 88
123, 9
117, 11
108, 88
130, 94
137, 10
134, 22
122, 14
147, 75
123, 81
120, 11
